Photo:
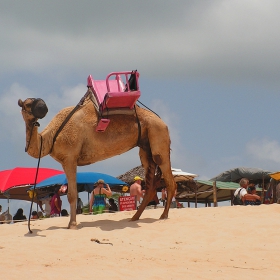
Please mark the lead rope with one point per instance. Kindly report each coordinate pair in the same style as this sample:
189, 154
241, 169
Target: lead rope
148, 108
30, 231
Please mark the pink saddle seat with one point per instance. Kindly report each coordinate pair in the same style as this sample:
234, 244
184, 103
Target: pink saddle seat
112, 93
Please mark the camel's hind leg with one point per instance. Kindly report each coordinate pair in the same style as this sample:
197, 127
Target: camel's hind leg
160, 148
70, 170
170, 187
150, 168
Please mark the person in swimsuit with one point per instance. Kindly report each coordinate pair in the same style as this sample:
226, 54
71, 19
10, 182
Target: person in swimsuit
97, 202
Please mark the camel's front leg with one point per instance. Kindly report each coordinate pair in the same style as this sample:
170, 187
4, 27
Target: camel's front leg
72, 195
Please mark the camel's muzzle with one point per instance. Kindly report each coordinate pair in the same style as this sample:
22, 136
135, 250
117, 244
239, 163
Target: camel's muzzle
39, 108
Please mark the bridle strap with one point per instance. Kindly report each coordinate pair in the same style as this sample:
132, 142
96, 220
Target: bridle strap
28, 143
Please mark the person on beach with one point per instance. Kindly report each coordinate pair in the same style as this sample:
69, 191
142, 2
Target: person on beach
113, 206
135, 189
80, 206
34, 215
2, 217
174, 202
18, 217
47, 202
97, 202
56, 202
64, 213
163, 196
252, 200
242, 191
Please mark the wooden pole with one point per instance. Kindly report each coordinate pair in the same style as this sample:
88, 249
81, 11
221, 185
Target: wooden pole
274, 190
262, 198
195, 195
215, 194
231, 197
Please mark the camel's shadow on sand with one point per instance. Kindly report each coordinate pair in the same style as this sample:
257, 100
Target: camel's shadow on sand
109, 225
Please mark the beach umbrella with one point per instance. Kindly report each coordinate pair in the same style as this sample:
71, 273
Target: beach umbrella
180, 176
21, 176
15, 182
87, 179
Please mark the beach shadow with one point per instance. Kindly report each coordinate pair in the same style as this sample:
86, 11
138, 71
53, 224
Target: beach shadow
35, 233
109, 225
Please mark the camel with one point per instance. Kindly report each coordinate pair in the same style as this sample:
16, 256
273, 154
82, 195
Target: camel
79, 144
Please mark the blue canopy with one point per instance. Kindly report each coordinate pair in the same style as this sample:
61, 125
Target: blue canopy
88, 179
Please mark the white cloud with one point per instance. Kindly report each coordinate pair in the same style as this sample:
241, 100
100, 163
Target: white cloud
220, 40
264, 150
11, 121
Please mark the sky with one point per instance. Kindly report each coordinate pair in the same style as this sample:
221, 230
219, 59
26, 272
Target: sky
210, 69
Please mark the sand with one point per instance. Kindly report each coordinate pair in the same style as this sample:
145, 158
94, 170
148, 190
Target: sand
232, 242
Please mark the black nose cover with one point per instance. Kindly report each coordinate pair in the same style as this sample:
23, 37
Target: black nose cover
39, 108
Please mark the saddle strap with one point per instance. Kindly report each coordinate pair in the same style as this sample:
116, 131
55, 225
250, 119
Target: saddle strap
68, 118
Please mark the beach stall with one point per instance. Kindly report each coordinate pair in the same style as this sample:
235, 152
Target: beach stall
259, 177
207, 192
275, 187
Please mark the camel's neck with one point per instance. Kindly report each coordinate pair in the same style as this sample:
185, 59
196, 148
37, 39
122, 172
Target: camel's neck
33, 141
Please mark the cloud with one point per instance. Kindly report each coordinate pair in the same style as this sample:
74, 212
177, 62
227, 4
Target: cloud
264, 150
11, 121
225, 41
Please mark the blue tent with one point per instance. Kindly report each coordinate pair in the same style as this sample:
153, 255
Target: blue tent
87, 179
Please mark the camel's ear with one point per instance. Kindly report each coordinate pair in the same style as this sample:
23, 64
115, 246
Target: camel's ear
20, 103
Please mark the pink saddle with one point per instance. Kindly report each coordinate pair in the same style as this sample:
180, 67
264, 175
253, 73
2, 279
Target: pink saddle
112, 93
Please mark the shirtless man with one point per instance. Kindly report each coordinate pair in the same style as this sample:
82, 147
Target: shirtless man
135, 189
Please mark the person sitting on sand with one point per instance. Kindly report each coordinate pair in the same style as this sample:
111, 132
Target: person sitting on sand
252, 200
113, 206
47, 202
242, 191
64, 213
19, 216
80, 206
34, 215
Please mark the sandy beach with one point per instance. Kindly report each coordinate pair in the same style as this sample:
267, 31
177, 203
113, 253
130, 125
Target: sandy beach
206, 243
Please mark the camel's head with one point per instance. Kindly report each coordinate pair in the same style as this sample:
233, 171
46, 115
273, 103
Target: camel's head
34, 106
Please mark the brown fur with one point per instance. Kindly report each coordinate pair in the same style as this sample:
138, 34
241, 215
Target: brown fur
79, 144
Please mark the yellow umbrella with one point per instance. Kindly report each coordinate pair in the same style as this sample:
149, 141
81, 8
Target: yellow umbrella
275, 175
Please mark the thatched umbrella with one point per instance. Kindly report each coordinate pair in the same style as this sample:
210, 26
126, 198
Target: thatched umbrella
181, 177
128, 176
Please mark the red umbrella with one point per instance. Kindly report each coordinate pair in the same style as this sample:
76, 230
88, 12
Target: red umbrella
20, 176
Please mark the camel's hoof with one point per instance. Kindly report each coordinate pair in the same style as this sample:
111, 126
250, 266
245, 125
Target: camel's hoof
72, 225
163, 216
134, 219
